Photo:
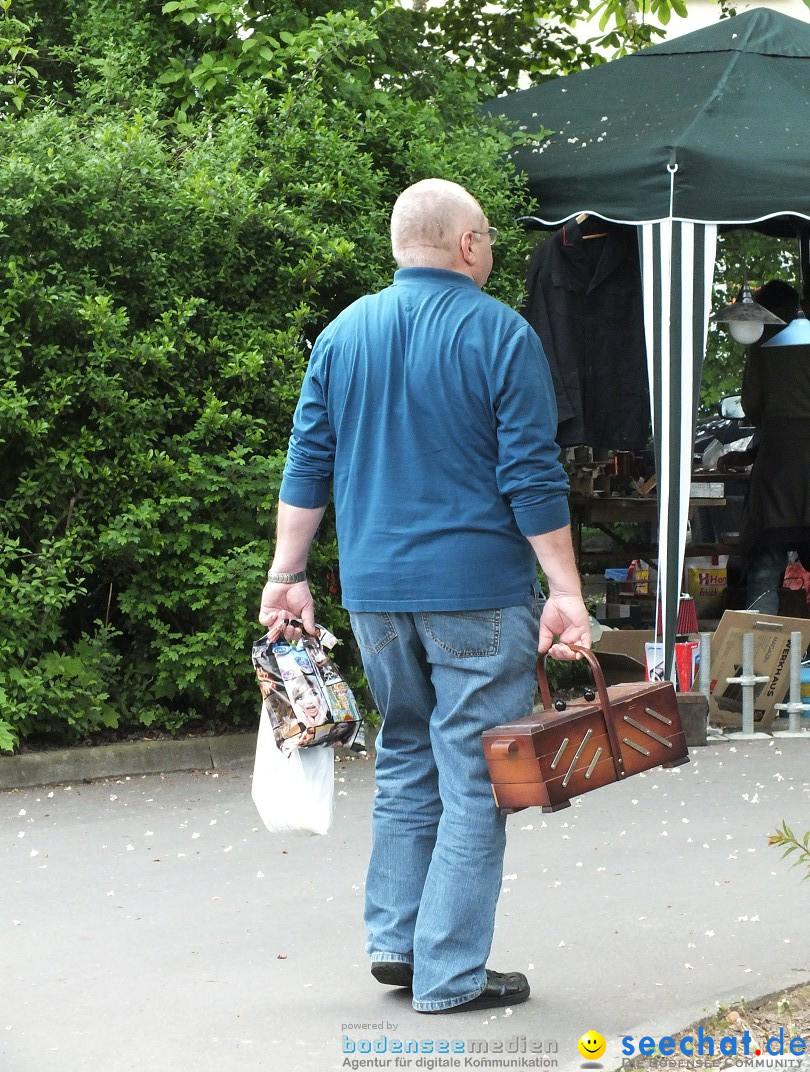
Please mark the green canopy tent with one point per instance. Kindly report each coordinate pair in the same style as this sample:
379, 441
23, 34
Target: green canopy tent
707, 130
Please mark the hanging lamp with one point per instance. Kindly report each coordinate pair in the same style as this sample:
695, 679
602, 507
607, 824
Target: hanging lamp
797, 333
746, 318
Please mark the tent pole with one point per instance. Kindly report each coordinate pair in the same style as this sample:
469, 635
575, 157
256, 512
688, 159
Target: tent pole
804, 264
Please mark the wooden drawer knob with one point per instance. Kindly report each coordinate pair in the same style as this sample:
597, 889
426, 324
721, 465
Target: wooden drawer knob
504, 747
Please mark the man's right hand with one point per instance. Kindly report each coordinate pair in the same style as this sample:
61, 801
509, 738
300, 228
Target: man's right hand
283, 602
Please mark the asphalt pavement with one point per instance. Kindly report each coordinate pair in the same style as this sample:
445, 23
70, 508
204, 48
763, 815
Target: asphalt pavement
149, 922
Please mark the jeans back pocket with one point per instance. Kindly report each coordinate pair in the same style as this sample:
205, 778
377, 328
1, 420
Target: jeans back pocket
372, 629
465, 634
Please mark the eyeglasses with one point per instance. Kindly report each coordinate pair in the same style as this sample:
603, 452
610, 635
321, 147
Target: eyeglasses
491, 231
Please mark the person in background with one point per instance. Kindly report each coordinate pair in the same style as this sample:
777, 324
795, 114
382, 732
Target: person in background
776, 399
428, 409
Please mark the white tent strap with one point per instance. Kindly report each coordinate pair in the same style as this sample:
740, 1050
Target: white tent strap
675, 219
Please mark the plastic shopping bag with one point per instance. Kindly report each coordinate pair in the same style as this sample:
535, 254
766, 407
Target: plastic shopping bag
293, 791
305, 696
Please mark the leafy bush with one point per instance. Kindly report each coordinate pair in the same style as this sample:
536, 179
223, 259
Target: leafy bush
189, 192
162, 277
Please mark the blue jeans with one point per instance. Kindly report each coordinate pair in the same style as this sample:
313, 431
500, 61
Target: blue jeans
439, 680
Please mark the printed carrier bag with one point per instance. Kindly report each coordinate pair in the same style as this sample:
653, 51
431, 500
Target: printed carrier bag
303, 693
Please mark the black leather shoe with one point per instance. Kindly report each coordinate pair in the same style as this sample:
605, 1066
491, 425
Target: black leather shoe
503, 988
392, 972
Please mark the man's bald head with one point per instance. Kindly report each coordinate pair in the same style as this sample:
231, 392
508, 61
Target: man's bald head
428, 221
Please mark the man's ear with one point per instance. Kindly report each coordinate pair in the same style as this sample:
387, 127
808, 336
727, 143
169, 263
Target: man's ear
466, 243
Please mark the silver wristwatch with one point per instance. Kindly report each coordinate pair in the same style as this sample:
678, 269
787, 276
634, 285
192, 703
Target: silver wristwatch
286, 578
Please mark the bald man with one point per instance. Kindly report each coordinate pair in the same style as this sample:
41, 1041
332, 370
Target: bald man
428, 410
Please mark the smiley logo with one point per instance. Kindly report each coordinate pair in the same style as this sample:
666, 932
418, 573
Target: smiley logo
592, 1045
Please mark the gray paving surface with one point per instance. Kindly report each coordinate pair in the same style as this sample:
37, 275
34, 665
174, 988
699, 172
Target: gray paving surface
149, 923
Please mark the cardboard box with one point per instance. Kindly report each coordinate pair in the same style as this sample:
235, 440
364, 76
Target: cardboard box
620, 669
628, 642
621, 654
771, 660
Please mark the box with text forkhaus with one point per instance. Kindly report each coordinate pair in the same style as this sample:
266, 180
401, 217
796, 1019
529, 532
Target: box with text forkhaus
771, 660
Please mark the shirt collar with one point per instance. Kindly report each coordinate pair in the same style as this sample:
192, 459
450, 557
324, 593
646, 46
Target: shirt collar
433, 275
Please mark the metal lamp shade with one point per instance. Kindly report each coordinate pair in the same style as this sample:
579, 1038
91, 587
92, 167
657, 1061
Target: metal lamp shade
745, 317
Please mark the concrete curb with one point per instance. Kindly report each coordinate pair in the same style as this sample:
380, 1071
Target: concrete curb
117, 760
91, 764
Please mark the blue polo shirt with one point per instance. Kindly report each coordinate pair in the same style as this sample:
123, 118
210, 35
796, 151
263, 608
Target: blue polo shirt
429, 409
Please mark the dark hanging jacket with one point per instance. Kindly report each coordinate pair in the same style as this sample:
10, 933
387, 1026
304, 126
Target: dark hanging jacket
584, 301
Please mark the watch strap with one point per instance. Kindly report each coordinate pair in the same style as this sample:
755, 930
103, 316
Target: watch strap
286, 578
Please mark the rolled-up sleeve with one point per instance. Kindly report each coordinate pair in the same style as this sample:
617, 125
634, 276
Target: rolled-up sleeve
529, 472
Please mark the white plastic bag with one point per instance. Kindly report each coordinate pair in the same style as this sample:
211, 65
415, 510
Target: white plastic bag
293, 793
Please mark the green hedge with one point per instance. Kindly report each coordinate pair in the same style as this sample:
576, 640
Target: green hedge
159, 290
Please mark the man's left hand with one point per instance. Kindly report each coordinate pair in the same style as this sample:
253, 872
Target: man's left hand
566, 618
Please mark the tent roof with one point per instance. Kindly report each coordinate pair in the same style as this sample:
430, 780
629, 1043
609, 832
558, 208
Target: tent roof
712, 126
